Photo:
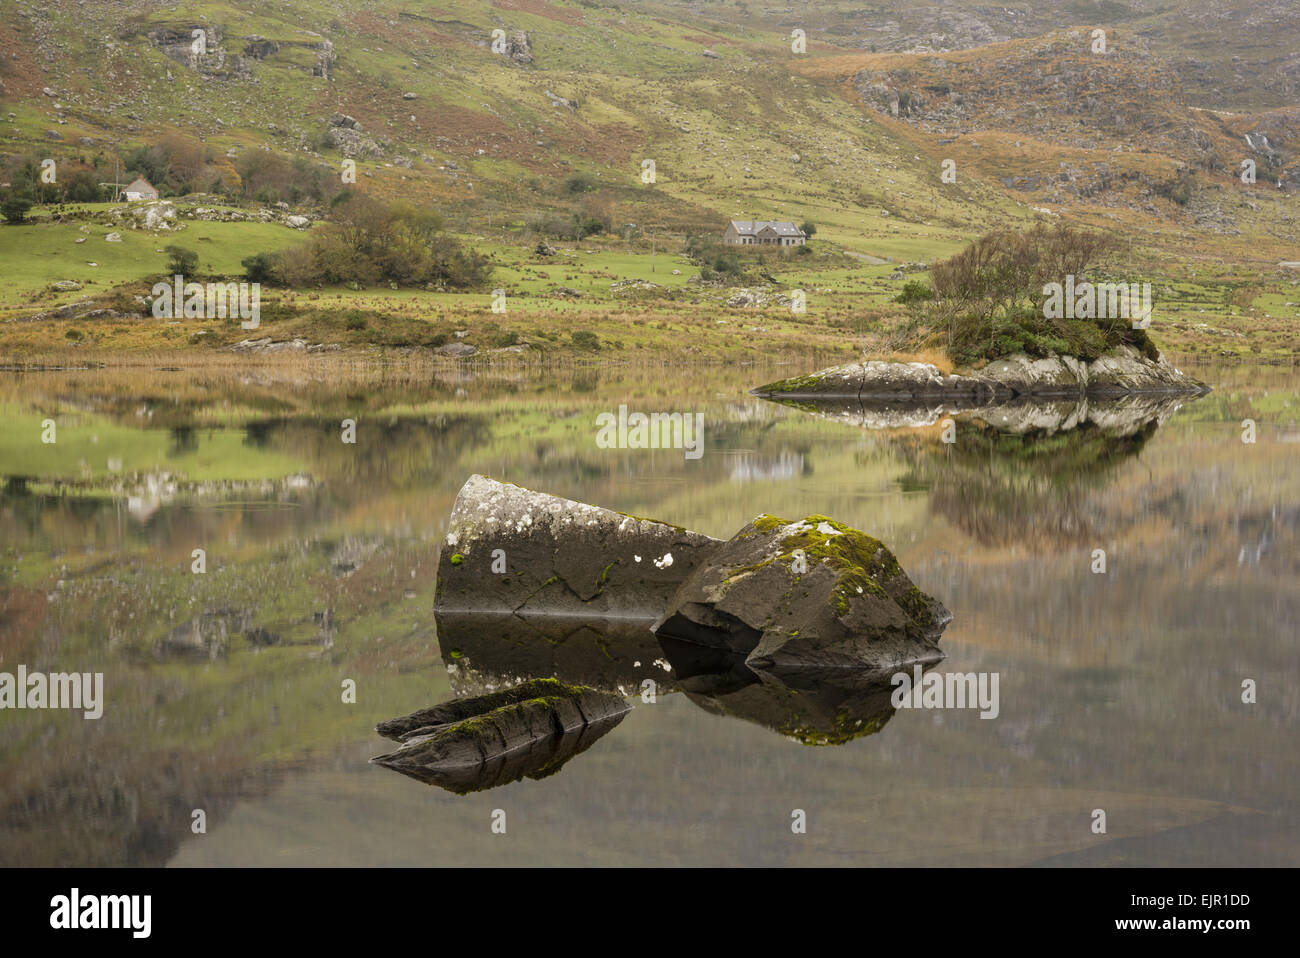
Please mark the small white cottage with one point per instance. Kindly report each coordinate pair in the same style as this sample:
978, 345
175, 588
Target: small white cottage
763, 233
139, 189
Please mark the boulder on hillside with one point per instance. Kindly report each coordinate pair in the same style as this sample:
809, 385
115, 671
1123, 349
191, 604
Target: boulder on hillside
456, 350
157, 215
351, 142
259, 47
520, 48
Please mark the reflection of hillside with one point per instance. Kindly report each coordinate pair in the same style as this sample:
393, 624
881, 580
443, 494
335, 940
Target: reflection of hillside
390, 452
213, 686
391, 455
118, 805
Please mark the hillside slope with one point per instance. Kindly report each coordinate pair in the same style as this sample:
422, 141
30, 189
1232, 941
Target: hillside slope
736, 124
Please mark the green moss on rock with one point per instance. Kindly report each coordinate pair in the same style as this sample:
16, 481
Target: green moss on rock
862, 561
793, 385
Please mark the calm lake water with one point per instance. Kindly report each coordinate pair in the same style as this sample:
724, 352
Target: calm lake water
223, 691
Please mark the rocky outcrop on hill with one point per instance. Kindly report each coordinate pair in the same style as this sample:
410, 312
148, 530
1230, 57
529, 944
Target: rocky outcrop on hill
209, 50
159, 215
166, 216
519, 48
198, 46
348, 137
1109, 97
84, 308
1116, 102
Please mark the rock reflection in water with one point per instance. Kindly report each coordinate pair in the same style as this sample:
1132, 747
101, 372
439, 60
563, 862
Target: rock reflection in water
824, 707
1118, 416
486, 650
529, 730
1022, 472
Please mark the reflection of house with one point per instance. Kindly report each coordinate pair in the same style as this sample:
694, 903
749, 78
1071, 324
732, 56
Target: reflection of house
139, 189
786, 465
763, 233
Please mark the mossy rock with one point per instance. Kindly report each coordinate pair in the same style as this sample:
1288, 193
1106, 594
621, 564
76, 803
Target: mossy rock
812, 593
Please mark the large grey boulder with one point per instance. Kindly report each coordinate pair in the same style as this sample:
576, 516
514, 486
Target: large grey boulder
520, 47
351, 142
511, 549
809, 594
155, 215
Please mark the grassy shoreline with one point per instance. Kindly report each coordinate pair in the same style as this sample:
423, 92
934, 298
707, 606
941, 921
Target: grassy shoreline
601, 300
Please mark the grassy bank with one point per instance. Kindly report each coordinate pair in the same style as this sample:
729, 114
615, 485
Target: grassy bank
603, 299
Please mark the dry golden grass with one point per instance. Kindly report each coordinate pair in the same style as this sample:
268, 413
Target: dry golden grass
934, 357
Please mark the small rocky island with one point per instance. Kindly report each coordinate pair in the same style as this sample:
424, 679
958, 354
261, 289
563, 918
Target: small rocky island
1039, 313
1122, 371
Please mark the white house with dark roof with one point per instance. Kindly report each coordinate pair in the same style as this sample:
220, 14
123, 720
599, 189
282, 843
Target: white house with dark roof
139, 189
763, 233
